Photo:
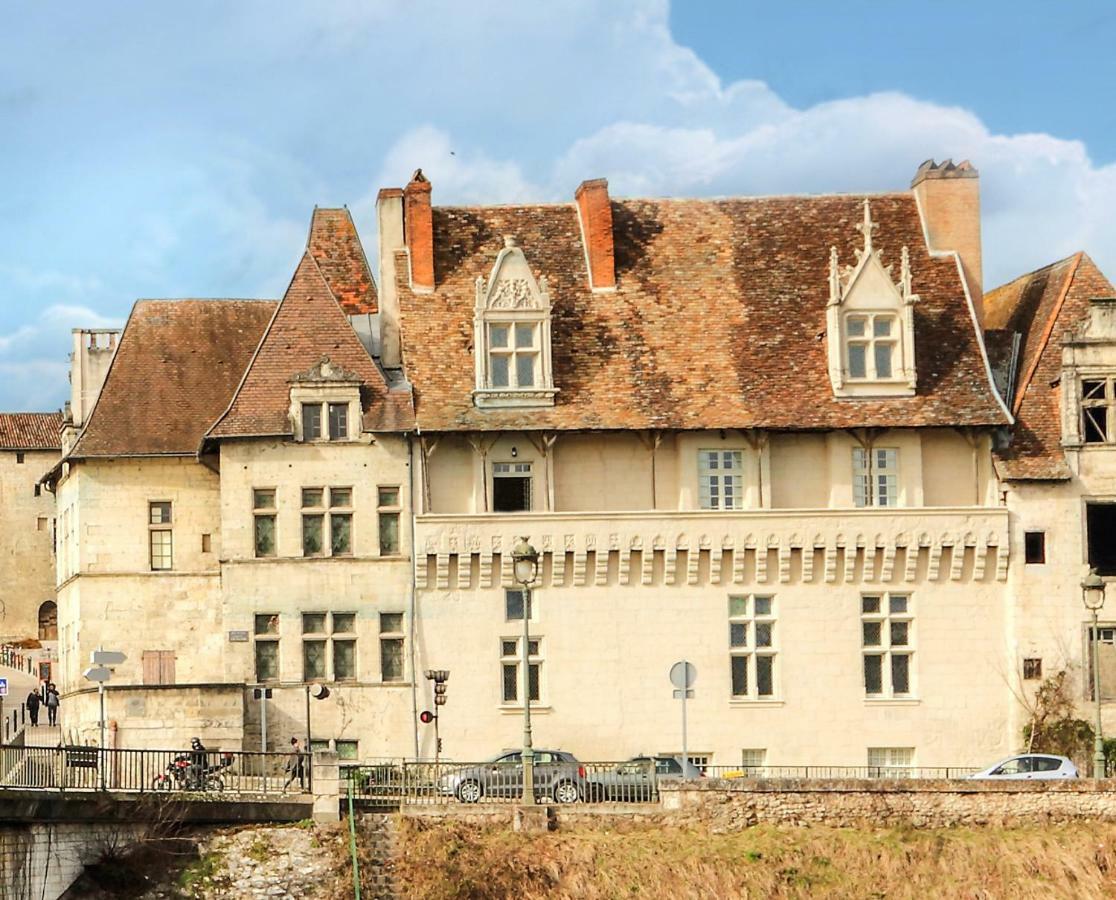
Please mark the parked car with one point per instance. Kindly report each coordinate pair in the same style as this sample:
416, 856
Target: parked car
635, 780
558, 774
1030, 766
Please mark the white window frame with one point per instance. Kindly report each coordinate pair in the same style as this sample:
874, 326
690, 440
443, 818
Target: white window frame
514, 469
536, 660
160, 528
744, 624
512, 352
886, 615
753, 760
869, 340
711, 479
875, 478
1107, 402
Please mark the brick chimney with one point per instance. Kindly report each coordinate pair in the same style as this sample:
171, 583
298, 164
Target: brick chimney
949, 196
418, 231
389, 217
595, 211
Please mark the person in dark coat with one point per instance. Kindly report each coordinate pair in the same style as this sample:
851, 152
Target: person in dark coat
296, 766
52, 703
33, 701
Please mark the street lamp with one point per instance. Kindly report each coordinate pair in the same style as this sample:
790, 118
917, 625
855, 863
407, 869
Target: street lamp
1092, 595
318, 692
525, 560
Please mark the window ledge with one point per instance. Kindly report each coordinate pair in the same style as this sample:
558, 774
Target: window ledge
501, 397
892, 701
508, 709
756, 703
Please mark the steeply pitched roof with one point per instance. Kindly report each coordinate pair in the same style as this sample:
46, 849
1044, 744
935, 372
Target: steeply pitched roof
30, 431
336, 247
177, 365
718, 320
308, 325
1041, 306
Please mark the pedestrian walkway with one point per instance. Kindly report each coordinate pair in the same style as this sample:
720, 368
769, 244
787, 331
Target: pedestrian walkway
42, 735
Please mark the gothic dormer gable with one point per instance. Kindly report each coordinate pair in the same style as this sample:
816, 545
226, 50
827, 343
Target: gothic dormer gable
870, 322
512, 334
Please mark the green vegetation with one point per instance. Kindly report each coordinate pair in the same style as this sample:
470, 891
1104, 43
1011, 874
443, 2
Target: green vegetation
445, 860
193, 877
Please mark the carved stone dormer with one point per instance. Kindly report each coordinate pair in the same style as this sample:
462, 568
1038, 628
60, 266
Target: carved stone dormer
325, 403
1088, 381
870, 323
511, 325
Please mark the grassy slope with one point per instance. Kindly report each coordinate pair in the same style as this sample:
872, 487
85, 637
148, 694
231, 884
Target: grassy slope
444, 860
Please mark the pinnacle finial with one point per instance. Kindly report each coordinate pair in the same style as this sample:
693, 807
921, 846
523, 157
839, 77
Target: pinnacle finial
867, 227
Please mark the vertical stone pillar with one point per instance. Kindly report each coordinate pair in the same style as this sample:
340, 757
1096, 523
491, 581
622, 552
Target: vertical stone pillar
327, 786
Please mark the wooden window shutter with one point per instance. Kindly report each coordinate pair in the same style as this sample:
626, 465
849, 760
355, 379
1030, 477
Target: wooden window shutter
166, 667
151, 666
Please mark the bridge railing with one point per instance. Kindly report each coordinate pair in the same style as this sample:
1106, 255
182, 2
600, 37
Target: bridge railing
212, 773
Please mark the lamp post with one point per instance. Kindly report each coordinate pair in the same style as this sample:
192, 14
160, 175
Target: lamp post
1092, 595
318, 692
525, 559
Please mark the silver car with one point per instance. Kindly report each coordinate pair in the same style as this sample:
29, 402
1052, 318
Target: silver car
1029, 766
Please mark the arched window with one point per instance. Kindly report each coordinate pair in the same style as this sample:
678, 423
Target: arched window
48, 621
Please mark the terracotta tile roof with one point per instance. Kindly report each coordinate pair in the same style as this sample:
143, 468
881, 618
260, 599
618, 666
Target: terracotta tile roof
1042, 306
718, 320
336, 247
308, 325
177, 365
30, 431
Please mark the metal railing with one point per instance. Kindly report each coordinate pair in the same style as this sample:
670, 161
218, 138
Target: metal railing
212, 774
392, 782
838, 772
14, 658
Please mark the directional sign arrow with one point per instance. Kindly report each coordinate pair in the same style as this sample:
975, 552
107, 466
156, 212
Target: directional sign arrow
107, 657
97, 673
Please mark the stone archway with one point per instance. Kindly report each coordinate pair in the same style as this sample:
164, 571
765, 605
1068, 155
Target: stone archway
48, 621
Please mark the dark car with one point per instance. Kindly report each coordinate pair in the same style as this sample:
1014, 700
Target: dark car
558, 774
636, 780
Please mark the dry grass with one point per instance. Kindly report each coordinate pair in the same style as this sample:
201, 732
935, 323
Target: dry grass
444, 860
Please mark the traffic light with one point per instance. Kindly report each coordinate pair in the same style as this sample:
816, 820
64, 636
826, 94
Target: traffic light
426, 717
258, 693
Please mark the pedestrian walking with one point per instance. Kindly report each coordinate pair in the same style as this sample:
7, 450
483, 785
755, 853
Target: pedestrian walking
295, 767
52, 704
33, 701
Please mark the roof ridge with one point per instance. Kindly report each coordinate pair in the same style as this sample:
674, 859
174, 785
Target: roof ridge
720, 198
1025, 382
1034, 271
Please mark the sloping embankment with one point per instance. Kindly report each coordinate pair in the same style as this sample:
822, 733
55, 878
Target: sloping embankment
443, 859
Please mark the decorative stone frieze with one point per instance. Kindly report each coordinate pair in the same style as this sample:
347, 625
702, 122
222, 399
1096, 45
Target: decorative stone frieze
816, 546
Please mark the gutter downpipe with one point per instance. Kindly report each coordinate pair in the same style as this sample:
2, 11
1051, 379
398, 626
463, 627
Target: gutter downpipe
413, 598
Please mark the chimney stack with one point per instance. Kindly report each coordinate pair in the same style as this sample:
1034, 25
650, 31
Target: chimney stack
418, 231
595, 211
949, 196
389, 217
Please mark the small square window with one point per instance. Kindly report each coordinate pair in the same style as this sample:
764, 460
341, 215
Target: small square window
870, 605
763, 634
267, 623
391, 623
738, 606
1032, 669
263, 498
313, 623
388, 496
312, 497
897, 605
507, 648
1034, 547
763, 606
160, 513
344, 623
340, 496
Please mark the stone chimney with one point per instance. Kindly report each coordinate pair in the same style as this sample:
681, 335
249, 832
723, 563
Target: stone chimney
89, 365
389, 217
595, 211
949, 196
418, 231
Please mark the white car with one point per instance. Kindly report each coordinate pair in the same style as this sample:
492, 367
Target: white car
1030, 766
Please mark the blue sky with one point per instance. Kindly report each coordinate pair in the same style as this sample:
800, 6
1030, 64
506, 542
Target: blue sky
150, 149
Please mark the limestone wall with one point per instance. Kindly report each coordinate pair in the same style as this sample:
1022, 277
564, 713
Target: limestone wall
26, 534
737, 804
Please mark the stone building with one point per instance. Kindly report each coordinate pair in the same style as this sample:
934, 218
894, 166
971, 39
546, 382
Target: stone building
760, 434
29, 445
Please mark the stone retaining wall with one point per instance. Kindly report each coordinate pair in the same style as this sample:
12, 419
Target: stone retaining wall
733, 804
728, 805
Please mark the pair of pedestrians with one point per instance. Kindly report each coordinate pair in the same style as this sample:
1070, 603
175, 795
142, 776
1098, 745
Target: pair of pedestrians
47, 696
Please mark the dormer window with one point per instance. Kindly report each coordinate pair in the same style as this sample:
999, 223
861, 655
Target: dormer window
325, 403
870, 345
512, 334
870, 323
